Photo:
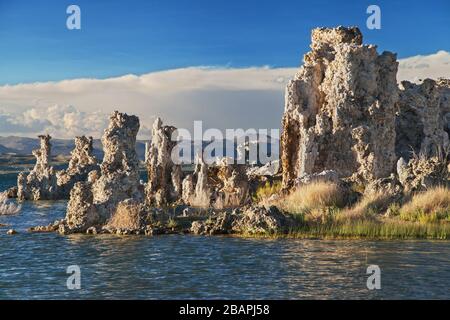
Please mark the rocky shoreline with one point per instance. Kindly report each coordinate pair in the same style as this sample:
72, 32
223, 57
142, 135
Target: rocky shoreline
346, 122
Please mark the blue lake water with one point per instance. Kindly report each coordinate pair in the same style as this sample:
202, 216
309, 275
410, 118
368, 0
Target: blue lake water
33, 266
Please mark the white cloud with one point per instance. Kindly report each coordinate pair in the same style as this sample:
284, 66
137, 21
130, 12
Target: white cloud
221, 97
420, 67
59, 121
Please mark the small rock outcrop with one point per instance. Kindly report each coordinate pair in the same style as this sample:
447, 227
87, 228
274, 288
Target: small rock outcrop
41, 182
421, 173
94, 202
6, 206
270, 169
340, 108
251, 221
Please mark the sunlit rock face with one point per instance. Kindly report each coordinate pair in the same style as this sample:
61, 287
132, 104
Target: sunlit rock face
340, 110
40, 183
93, 202
422, 122
164, 177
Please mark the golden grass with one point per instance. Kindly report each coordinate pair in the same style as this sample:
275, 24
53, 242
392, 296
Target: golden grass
322, 212
314, 196
432, 205
264, 192
374, 229
367, 207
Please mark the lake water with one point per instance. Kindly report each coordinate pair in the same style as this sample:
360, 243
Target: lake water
33, 266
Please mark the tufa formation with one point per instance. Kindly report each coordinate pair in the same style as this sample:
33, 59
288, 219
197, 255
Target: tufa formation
345, 113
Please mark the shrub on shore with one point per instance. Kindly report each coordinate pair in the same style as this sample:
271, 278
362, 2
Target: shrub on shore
317, 201
264, 192
429, 206
367, 208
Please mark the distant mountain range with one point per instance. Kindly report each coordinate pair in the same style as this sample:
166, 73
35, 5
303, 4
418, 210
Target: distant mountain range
24, 146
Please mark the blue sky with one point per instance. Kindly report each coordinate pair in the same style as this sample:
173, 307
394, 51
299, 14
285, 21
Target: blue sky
121, 37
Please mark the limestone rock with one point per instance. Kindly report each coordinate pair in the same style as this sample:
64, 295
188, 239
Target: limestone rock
221, 223
81, 163
421, 173
119, 179
8, 207
339, 111
40, 183
44, 183
12, 192
233, 187
81, 211
253, 220
324, 176
220, 185
421, 122
93, 202
52, 227
188, 190
196, 190
261, 220
164, 177
269, 169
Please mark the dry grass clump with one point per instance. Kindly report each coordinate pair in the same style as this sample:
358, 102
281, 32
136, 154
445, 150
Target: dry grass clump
313, 197
6, 207
432, 205
263, 193
127, 216
366, 208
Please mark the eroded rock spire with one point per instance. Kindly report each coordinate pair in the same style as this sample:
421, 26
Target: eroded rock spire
340, 109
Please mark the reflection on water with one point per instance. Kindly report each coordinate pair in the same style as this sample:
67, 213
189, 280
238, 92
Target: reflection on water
187, 267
